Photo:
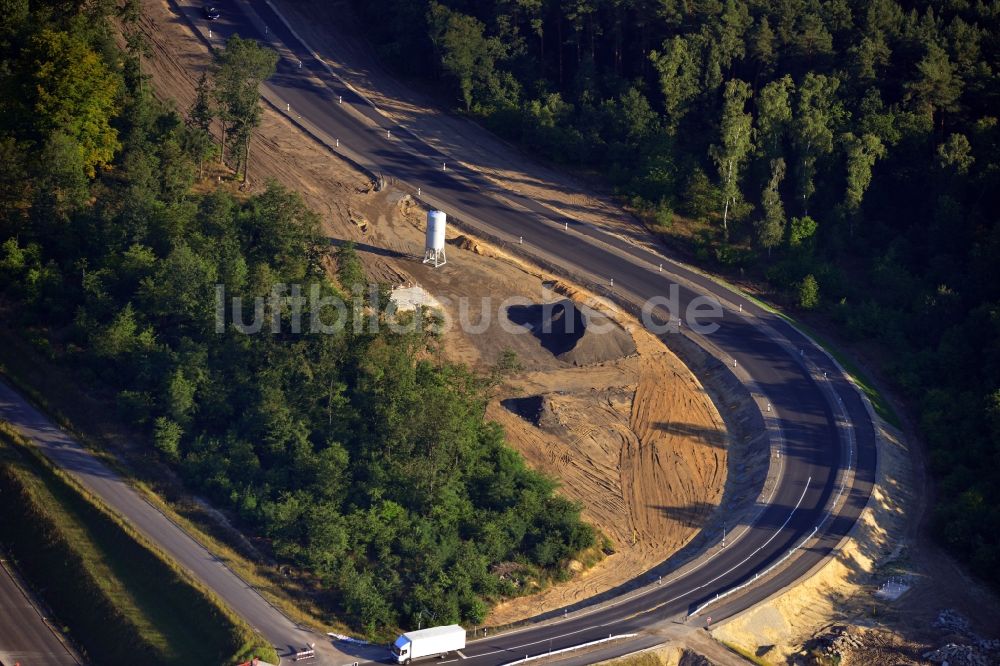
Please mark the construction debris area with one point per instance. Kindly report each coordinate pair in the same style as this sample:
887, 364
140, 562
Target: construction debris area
601, 405
622, 424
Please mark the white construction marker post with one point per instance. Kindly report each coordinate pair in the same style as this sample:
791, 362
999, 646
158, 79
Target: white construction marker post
520, 240
388, 134
340, 99
300, 64
566, 227
288, 107
418, 191
661, 268
741, 308
338, 143
612, 283
444, 166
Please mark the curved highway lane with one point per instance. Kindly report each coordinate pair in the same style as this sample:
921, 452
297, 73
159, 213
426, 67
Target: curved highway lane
788, 372
804, 387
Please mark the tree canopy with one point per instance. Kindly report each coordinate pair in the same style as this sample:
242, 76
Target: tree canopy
356, 455
858, 142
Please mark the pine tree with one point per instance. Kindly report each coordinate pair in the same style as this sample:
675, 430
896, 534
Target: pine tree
241, 67
938, 86
201, 113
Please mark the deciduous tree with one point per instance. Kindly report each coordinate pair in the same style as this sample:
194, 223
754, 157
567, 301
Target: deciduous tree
74, 93
771, 227
240, 69
735, 144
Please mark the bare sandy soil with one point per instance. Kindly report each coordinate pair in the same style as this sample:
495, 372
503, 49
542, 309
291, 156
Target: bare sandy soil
620, 422
845, 597
330, 29
842, 592
628, 430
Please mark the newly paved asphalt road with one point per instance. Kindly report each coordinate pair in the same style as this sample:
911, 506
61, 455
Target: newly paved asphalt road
26, 637
803, 386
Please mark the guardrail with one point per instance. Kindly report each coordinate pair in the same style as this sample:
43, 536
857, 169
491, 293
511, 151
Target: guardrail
581, 646
753, 580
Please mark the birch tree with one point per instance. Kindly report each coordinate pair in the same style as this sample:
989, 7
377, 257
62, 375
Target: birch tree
817, 113
771, 228
862, 153
735, 144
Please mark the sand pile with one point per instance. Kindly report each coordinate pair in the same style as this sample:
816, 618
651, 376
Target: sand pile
574, 334
597, 400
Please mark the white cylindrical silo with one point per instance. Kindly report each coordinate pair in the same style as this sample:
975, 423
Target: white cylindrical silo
436, 221
434, 243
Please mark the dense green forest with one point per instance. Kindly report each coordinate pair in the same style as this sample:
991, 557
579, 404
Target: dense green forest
843, 151
359, 454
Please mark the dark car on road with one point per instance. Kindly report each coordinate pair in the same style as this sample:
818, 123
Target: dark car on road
211, 12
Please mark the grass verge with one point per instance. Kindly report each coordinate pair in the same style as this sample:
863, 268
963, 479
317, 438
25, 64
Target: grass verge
121, 598
864, 382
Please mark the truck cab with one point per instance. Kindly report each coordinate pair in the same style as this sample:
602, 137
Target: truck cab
401, 650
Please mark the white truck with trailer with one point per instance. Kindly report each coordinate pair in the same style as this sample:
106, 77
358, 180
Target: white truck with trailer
427, 642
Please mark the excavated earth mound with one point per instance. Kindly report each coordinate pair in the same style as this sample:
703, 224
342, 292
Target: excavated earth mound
571, 333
